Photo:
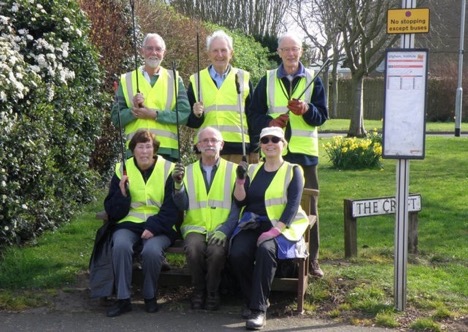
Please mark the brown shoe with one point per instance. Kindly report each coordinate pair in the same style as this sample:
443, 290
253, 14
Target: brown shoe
315, 269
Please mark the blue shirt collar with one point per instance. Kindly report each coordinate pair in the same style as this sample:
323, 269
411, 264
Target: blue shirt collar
219, 79
281, 72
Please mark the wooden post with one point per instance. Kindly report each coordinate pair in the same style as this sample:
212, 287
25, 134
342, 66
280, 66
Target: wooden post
350, 230
413, 233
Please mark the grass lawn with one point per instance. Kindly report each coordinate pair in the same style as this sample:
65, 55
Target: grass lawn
357, 290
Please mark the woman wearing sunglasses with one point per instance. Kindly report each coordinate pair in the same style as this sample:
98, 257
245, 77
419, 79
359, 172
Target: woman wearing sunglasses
271, 227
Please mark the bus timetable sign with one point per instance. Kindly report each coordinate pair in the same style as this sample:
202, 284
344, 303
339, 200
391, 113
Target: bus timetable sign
386, 205
409, 20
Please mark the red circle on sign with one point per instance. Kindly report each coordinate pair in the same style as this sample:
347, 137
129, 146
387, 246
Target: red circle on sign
408, 13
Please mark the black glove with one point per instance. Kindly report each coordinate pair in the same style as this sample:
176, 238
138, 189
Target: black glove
241, 170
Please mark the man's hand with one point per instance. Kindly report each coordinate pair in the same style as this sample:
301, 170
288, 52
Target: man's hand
280, 121
198, 109
178, 175
218, 238
297, 106
138, 100
272, 233
147, 234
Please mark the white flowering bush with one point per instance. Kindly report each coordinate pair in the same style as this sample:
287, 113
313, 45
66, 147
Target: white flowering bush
49, 115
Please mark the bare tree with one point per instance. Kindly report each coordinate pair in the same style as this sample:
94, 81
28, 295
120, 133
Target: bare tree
322, 31
253, 17
355, 28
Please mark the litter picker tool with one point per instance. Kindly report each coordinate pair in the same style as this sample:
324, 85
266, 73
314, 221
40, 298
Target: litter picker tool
122, 143
239, 103
313, 79
174, 73
132, 5
198, 68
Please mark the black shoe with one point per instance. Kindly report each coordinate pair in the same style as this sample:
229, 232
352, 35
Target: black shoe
198, 300
151, 305
246, 312
213, 301
119, 307
256, 321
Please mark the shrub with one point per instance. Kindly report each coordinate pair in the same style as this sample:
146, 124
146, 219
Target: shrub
355, 153
48, 120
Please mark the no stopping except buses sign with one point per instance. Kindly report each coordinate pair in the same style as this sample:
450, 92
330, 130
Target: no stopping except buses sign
409, 20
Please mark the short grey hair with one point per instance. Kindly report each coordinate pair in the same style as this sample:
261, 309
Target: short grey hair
292, 36
219, 34
154, 36
216, 132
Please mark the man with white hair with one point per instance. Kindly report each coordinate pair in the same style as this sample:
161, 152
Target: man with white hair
146, 99
282, 100
214, 98
204, 190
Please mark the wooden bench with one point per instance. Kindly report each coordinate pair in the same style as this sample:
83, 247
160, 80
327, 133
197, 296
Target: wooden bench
181, 276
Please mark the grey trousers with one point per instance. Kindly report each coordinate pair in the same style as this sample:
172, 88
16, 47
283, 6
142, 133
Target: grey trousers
122, 255
206, 262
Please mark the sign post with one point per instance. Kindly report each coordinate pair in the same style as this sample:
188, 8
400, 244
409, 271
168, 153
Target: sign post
405, 93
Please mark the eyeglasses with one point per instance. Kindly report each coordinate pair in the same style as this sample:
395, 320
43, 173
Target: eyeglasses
210, 140
154, 48
290, 49
273, 139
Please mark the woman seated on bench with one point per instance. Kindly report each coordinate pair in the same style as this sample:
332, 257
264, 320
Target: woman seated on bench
271, 227
141, 206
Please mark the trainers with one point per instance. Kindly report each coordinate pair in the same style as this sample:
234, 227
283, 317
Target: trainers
213, 301
315, 269
256, 321
198, 300
119, 307
151, 305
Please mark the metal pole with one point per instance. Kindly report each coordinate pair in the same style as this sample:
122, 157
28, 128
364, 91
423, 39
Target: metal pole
176, 92
239, 103
459, 95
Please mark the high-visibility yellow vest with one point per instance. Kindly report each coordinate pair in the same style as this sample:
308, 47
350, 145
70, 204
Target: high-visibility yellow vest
146, 198
222, 105
159, 97
208, 210
276, 197
304, 138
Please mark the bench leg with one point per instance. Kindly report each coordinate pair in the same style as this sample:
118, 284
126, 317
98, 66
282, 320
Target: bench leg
302, 283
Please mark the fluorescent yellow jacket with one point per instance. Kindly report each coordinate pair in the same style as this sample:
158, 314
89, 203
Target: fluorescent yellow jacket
208, 210
146, 198
304, 138
159, 97
222, 105
276, 197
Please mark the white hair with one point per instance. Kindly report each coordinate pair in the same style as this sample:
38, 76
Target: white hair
219, 34
154, 36
217, 133
292, 36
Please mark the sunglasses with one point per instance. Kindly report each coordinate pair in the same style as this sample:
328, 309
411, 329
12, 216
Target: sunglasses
273, 139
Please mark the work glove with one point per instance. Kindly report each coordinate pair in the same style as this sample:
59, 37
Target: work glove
178, 175
218, 238
297, 106
280, 121
241, 170
272, 233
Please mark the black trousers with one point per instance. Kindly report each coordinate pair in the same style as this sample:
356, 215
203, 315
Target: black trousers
254, 267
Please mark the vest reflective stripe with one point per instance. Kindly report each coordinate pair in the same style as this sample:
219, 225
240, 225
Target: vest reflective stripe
159, 97
148, 197
222, 105
304, 138
276, 199
207, 211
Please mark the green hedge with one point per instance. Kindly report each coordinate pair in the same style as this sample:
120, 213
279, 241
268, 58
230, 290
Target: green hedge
49, 115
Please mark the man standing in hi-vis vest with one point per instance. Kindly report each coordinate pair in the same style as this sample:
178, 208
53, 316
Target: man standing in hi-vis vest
215, 101
146, 99
204, 190
276, 102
